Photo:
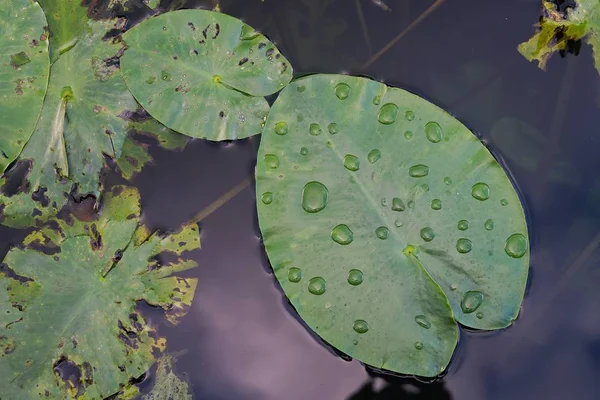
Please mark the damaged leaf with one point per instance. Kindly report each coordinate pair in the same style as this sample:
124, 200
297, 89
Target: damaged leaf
82, 122
167, 385
24, 69
69, 325
561, 29
203, 73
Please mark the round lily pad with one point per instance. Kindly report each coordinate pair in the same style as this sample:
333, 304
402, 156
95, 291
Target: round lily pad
203, 73
387, 222
24, 69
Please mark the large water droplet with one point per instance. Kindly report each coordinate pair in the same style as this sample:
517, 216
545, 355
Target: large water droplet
463, 245
471, 301
333, 128
355, 277
382, 232
480, 191
427, 234
271, 160
267, 198
423, 321
433, 132
418, 345
388, 114
304, 151
281, 128
463, 225
295, 275
315, 129
342, 91
317, 286
397, 204
360, 326
351, 162
314, 197
373, 156
341, 234
418, 171
489, 224
409, 115
516, 245
436, 204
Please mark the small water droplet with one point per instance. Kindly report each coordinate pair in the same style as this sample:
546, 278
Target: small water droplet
360, 326
463, 225
384, 202
294, 275
300, 89
423, 321
304, 151
480, 191
377, 100
418, 171
479, 315
397, 204
418, 345
355, 342
388, 114
314, 197
333, 128
452, 288
408, 135
409, 115
504, 202
433, 132
427, 234
351, 162
489, 224
267, 198
516, 245
436, 204
373, 156
281, 128
315, 129
463, 245
271, 160
398, 223
471, 301
411, 204
342, 91
355, 277
382, 232
341, 234
448, 180
317, 286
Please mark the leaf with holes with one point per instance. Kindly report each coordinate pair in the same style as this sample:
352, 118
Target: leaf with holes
561, 28
203, 73
69, 326
81, 122
23, 74
386, 222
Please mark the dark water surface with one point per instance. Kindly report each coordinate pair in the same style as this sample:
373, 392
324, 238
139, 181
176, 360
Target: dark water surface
242, 340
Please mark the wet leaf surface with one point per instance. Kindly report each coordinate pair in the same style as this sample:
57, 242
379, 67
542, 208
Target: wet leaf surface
203, 73
69, 324
24, 69
386, 222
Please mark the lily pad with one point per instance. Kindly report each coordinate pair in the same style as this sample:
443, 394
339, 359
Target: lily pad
69, 325
23, 74
387, 222
82, 122
561, 29
167, 385
203, 73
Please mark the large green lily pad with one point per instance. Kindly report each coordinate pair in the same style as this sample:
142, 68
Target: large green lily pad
559, 29
68, 321
23, 74
386, 222
203, 73
83, 121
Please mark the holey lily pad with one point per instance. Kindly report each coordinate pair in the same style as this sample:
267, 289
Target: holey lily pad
203, 73
82, 122
68, 321
24, 67
386, 222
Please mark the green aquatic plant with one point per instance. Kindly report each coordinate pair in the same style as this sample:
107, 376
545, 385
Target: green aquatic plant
560, 29
387, 222
203, 73
69, 324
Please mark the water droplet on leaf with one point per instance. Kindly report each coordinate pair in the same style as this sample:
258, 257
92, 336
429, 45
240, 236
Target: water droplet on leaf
408, 135
333, 128
341, 234
294, 275
317, 286
281, 128
382, 232
463, 245
433, 132
314, 197
418, 345
516, 245
471, 301
304, 151
489, 224
267, 198
463, 225
315, 129
480, 191
271, 160
436, 204
360, 326
342, 91
418, 171
427, 234
355, 277
397, 204
351, 162
388, 114
409, 115
423, 321
373, 156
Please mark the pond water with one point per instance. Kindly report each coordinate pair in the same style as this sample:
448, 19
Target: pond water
241, 339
